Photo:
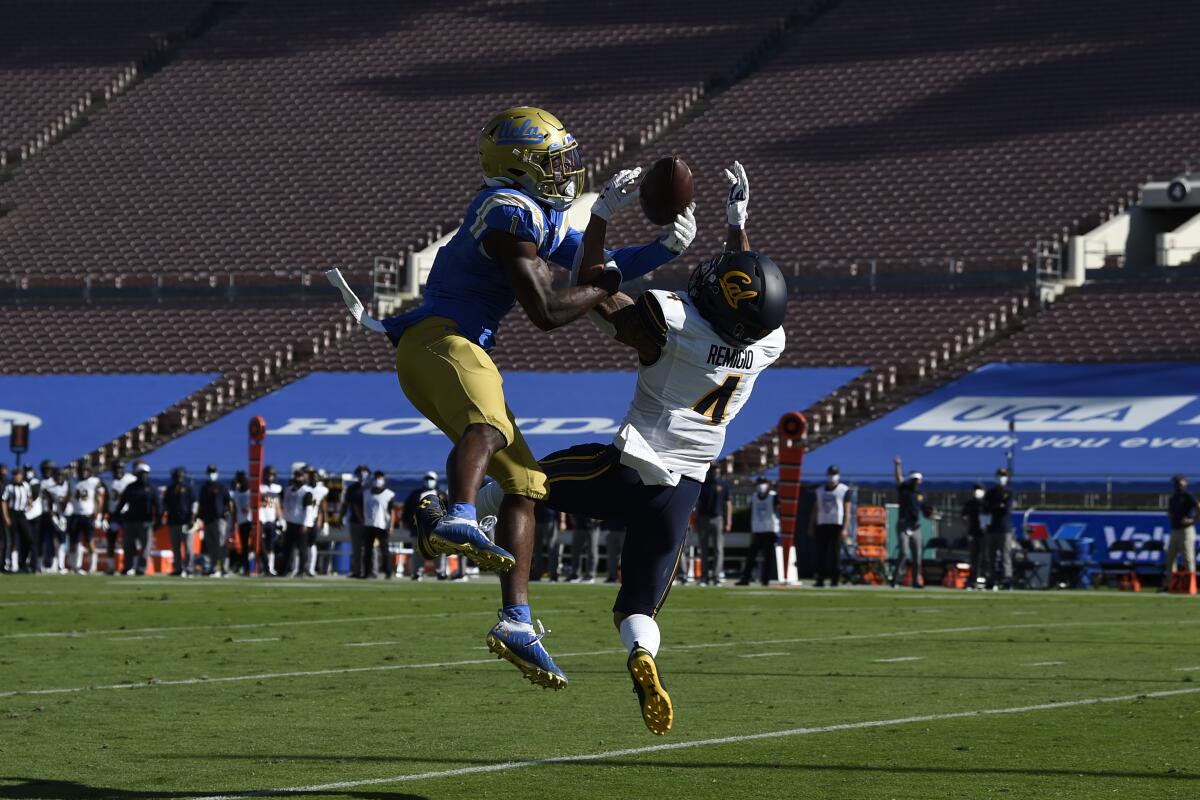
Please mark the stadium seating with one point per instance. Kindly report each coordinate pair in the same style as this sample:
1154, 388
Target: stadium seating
1121, 322
57, 63
73, 337
922, 135
303, 133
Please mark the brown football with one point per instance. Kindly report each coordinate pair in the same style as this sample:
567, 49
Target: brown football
666, 189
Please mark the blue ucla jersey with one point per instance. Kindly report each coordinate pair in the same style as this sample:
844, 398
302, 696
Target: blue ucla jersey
467, 285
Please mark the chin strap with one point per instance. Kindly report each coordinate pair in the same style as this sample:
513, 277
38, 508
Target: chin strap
353, 303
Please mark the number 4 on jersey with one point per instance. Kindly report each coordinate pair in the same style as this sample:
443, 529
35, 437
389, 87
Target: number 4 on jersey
714, 404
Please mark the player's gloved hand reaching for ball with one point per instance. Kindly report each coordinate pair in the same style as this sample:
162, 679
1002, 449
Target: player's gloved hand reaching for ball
619, 192
736, 207
683, 230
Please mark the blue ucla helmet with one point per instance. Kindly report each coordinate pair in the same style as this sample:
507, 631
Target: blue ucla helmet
529, 149
743, 295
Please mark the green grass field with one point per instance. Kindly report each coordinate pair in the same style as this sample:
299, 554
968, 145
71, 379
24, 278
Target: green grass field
153, 688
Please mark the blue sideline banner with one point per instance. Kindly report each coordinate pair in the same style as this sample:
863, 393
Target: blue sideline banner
1131, 423
336, 420
1103, 528
70, 415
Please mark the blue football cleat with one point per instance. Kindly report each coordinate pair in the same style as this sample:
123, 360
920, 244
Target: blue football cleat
438, 532
520, 645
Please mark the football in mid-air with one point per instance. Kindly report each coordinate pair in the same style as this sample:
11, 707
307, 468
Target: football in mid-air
666, 189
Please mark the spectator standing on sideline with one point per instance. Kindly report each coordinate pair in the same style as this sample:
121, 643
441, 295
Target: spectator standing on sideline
973, 516
116, 486
293, 517
87, 503
547, 544
764, 532
585, 548
829, 526
714, 516
270, 513
999, 540
1182, 511
15, 501
7, 543
53, 495
179, 503
139, 511
350, 509
429, 486
614, 545
379, 516
314, 516
215, 509
911, 503
34, 515
245, 524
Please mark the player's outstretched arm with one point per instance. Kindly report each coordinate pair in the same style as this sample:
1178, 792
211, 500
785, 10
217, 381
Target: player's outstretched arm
737, 209
529, 277
634, 324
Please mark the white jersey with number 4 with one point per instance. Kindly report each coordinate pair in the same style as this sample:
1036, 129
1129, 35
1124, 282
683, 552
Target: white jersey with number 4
686, 399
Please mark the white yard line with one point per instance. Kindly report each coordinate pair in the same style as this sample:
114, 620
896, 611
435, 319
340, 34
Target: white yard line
763, 655
899, 659
263, 639
1044, 664
1187, 669
374, 644
505, 766
231, 627
441, 664
134, 638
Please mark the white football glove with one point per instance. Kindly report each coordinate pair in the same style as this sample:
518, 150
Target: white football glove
739, 196
618, 193
683, 230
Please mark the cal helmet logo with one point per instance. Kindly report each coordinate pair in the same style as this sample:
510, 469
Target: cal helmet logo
734, 293
527, 133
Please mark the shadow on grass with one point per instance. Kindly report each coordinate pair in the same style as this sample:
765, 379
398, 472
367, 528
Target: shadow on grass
38, 789
709, 764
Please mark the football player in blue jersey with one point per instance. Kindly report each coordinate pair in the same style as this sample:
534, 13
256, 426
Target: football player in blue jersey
515, 226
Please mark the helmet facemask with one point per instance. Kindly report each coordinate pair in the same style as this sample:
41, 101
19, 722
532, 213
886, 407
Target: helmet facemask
542, 159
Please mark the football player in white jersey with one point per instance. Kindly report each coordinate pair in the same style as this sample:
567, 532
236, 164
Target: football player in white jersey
700, 355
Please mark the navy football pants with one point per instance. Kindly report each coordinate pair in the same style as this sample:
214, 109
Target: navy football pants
590, 479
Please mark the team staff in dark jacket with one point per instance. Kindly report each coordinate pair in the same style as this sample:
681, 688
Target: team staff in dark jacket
911, 506
972, 516
1183, 511
178, 503
139, 509
351, 512
215, 509
999, 540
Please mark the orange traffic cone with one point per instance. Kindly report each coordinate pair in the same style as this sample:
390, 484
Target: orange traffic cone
1183, 583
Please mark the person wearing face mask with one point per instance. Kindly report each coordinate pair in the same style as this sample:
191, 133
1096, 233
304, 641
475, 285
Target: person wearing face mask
52, 495
270, 512
14, 502
215, 509
315, 516
179, 514
973, 516
829, 526
428, 488
293, 514
714, 516
911, 505
239, 556
140, 510
999, 540
379, 516
764, 531
350, 509
1182, 511
116, 486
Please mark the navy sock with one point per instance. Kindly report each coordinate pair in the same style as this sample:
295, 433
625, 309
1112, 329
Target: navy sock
519, 612
463, 511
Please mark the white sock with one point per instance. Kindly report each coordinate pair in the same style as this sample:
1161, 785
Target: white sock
92, 562
487, 500
312, 558
642, 631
